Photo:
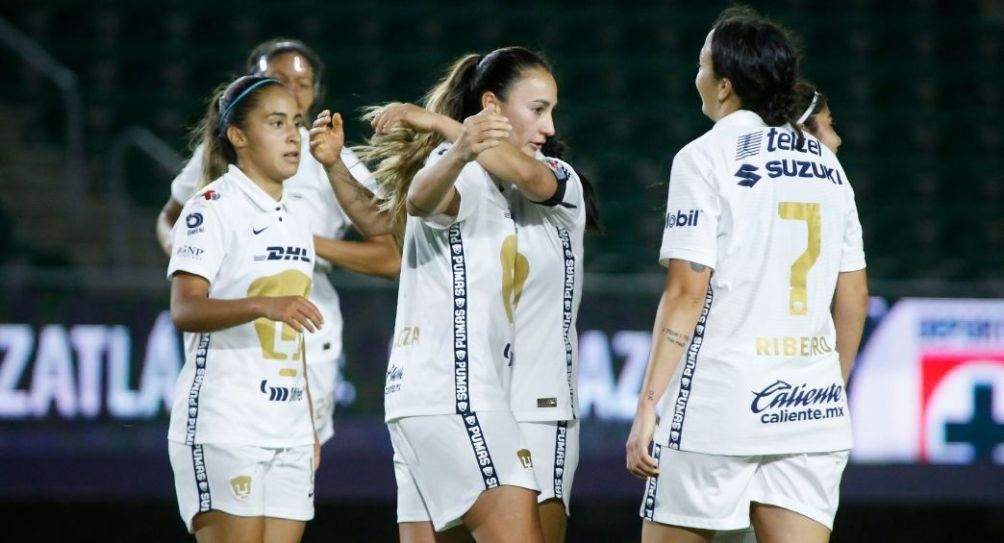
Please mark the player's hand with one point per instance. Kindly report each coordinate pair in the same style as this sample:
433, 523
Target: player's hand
481, 132
327, 137
639, 462
411, 116
295, 311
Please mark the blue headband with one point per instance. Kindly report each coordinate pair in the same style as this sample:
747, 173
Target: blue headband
225, 116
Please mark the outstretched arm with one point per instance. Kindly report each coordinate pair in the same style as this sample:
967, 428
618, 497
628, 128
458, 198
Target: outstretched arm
377, 255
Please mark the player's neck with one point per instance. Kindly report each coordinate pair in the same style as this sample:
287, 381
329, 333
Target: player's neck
270, 186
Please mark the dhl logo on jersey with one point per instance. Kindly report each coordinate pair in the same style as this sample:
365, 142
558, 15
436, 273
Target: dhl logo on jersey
285, 253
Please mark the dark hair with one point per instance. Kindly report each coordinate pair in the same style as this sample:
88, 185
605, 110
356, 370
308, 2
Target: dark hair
554, 147
805, 92
401, 152
229, 106
760, 59
263, 53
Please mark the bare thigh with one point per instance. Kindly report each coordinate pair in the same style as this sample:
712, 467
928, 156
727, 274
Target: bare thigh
778, 525
281, 530
220, 527
553, 520
653, 532
505, 514
423, 532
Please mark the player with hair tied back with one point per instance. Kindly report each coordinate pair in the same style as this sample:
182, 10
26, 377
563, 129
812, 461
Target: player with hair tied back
241, 440
460, 457
817, 119
761, 315
313, 188
547, 285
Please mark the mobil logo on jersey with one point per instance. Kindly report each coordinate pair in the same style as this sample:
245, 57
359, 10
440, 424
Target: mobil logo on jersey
682, 218
929, 386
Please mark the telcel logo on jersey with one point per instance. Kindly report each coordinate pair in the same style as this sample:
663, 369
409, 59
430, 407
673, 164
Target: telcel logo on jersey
781, 402
682, 218
284, 253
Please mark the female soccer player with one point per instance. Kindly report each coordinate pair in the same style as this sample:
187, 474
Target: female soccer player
549, 286
816, 117
295, 65
242, 445
761, 238
460, 284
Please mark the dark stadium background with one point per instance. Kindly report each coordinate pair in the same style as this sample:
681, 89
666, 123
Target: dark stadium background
88, 152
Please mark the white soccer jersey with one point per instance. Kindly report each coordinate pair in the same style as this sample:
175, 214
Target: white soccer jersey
549, 288
245, 384
453, 333
308, 188
777, 224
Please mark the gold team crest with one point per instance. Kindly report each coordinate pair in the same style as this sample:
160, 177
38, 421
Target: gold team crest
241, 486
524, 458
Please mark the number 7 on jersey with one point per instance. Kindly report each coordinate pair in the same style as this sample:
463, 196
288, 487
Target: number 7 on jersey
798, 302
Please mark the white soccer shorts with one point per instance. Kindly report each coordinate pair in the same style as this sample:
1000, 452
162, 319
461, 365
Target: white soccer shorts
442, 463
243, 480
714, 492
555, 449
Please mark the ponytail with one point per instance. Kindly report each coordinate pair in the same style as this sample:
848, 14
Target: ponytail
400, 153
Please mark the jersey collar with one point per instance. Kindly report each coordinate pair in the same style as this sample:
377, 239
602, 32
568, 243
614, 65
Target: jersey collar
741, 118
254, 192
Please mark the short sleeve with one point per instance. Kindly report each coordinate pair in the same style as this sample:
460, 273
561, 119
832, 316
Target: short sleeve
186, 183
199, 241
693, 208
470, 185
568, 205
852, 257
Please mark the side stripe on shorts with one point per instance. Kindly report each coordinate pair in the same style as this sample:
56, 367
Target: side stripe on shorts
689, 369
201, 478
652, 485
481, 453
560, 444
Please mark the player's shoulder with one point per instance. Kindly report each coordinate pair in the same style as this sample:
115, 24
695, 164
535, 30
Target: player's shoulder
562, 170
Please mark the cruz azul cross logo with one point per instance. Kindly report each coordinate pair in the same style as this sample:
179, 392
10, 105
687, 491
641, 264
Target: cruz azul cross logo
962, 409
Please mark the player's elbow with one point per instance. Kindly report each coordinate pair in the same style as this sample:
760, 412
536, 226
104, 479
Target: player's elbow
181, 318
